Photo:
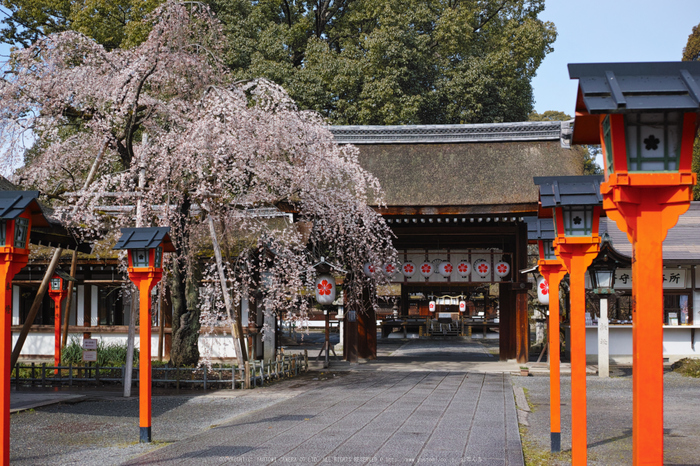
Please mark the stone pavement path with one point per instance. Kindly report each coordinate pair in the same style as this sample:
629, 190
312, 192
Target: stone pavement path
369, 418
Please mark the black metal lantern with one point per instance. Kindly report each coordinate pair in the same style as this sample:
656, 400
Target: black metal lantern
602, 270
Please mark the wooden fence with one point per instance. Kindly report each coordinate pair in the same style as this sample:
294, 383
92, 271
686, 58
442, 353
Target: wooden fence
254, 374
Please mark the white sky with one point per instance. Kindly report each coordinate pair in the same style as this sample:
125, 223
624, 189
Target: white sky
594, 31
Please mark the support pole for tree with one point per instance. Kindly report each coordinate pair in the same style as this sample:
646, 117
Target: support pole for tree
129, 363
35, 307
52, 265
161, 325
131, 334
236, 328
69, 298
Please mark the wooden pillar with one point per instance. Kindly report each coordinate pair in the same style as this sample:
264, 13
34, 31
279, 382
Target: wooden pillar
350, 338
506, 326
521, 287
367, 328
521, 324
404, 300
367, 334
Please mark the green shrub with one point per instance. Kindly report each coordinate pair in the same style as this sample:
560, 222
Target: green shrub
689, 367
113, 354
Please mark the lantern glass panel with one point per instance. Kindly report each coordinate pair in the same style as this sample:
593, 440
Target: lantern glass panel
139, 257
603, 278
653, 141
578, 220
3, 233
548, 246
55, 284
158, 258
21, 232
607, 142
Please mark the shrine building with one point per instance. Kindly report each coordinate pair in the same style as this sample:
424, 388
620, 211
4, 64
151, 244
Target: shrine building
455, 197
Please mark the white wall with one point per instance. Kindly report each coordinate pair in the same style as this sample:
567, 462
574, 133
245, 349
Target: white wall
42, 344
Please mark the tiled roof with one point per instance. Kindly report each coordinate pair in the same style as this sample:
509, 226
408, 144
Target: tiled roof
540, 228
558, 191
681, 246
13, 203
46, 230
144, 238
629, 87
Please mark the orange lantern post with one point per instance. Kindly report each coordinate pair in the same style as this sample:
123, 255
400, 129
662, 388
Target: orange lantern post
19, 212
57, 292
145, 247
553, 270
645, 117
576, 204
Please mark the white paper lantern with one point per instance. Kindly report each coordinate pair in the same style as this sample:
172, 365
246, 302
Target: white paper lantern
482, 268
464, 269
502, 269
462, 306
431, 306
427, 269
542, 291
389, 269
325, 289
408, 269
445, 269
369, 269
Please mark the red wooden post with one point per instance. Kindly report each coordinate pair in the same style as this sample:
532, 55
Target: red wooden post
57, 292
577, 254
8, 269
145, 281
553, 271
646, 208
145, 247
13, 257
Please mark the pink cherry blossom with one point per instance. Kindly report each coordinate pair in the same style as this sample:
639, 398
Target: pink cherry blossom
241, 152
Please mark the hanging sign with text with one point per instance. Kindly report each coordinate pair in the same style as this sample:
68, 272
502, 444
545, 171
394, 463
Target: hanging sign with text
673, 279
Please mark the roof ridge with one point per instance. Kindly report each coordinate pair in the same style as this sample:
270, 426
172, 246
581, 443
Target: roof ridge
432, 134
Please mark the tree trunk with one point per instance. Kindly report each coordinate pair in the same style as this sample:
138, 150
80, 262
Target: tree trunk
185, 297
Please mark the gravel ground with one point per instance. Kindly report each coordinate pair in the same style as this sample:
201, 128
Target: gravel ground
610, 420
104, 429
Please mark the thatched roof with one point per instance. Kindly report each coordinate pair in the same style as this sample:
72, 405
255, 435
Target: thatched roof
475, 171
